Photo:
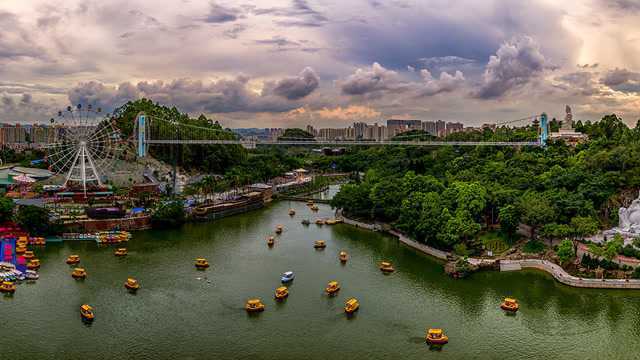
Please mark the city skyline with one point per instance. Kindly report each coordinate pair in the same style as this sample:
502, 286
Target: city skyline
288, 63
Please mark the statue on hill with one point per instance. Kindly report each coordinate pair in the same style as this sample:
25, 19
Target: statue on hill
629, 218
567, 124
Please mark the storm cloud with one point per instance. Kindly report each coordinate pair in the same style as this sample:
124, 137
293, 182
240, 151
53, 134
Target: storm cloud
298, 87
622, 80
516, 63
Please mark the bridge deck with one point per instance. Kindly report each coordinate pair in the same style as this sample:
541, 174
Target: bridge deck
345, 143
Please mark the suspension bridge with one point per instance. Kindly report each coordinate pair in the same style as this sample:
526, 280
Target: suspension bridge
157, 131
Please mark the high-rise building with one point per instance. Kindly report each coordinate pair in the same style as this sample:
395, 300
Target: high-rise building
453, 127
430, 127
441, 128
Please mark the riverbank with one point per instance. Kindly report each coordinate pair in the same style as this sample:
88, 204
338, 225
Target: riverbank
554, 270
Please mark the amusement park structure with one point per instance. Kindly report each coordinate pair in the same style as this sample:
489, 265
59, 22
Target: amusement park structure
85, 147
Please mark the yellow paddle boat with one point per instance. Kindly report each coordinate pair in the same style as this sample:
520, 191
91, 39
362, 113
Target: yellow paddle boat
510, 304
386, 267
73, 259
21, 249
314, 207
7, 287
343, 256
319, 244
310, 202
436, 337
121, 252
292, 212
330, 221
282, 293
320, 222
279, 229
202, 263
351, 306
254, 305
28, 255
79, 273
271, 240
33, 264
86, 312
132, 284
332, 287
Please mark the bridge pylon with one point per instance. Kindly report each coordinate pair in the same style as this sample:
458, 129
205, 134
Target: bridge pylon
141, 134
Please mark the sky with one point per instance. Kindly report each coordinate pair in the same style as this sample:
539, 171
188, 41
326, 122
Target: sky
286, 63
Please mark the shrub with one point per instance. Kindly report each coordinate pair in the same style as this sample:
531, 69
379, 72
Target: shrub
533, 247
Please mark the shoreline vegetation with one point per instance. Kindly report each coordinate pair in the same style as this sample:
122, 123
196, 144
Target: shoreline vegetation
555, 270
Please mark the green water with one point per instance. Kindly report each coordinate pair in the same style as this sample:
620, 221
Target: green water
179, 315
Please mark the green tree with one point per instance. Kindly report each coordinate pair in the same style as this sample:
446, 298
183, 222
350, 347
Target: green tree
583, 226
509, 219
565, 251
169, 214
36, 221
536, 210
6, 209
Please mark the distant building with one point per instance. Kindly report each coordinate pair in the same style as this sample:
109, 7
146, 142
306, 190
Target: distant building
430, 127
452, 127
441, 128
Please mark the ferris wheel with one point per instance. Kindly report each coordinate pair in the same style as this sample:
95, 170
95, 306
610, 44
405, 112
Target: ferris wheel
84, 146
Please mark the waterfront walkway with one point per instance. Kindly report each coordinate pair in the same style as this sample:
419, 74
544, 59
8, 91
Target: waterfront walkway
506, 265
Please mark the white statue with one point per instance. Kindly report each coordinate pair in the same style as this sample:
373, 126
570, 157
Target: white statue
630, 217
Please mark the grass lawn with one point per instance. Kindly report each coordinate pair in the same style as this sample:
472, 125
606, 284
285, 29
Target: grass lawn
495, 241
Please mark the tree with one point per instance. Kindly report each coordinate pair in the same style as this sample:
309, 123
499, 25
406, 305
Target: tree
565, 251
583, 226
509, 219
6, 209
613, 247
35, 220
536, 210
296, 134
168, 215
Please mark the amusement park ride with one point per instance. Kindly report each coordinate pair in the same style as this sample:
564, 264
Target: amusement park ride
88, 143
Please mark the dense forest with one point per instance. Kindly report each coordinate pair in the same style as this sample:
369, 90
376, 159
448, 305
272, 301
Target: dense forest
447, 196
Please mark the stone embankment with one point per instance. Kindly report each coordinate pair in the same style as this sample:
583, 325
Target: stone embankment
505, 265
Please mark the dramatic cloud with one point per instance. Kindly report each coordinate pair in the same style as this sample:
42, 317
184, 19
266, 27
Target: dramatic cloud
298, 87
372, 81
446, 83
221, 96
299, 14
515, 64
23, 109
220, 14
378, 80
622, 80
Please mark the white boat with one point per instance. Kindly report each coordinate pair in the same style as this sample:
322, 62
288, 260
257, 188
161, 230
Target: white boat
32, 275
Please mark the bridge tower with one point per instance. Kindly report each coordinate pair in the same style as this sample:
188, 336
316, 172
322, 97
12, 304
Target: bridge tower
544, 129
141, 133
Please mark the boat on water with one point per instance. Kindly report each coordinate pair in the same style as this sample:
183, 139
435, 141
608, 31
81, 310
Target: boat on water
436, 337
281, 293
386, 267
320, 222
510, 304
202, 263
86, 312
21, 249
352, 305
330, 221
79, 273
7, 287
287, 277
28, 255
271, 240
39, 240
32, 275
113, 237
132, 284
254, 305
332, 288
33, 264
305, 222
292, 212
279, 229
310, 203
314, 207
121, 252
319, 244
73, 259
343, 256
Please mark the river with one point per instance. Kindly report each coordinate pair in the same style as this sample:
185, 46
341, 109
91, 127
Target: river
181, 313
